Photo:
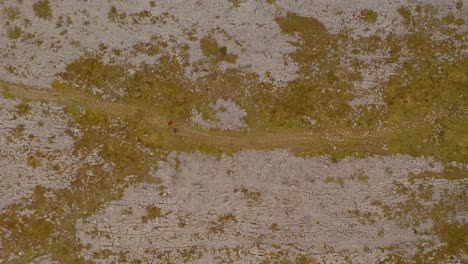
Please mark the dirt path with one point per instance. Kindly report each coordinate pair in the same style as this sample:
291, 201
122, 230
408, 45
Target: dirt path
298, 140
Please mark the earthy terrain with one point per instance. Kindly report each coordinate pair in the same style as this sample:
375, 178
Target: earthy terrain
233, 131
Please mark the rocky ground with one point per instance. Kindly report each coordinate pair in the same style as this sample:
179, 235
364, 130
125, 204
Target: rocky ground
242, 208
97, 177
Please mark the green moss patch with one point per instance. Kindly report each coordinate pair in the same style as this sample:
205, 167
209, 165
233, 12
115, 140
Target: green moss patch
210, 48
369, 15
23, 108
42, 9
15, 33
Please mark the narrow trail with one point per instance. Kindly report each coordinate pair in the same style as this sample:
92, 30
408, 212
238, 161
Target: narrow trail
290, 138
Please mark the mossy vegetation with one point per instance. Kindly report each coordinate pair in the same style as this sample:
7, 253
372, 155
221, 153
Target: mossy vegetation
405, 13
165, 89
424, 116
148, 85
236, 3
23, 108
210, 48
86, 194
11, 13
252, 197
115, 16
452, 173
416, 208
339, 180
449, 19
42, 9
287, 257
365, 218
229, 217
11, 69
363, 178
431, 89
152, 213
322, 92
369, 15
7, 95
318, 99
15, 33
17, 132
427, 84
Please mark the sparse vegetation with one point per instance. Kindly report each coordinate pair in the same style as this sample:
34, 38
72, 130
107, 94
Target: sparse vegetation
11, 69
326, 96
217, 227
34, 162
152, 212
251, 197
210, 48
363, 178
23, 108
8, 95
449, 19
424, 116
339, 180
12, 13
405, 13
15, 33
412, 212
58, 85
18, 131
365, 218
450, 173
235, 3
368, 15
227, 217
287, 257
42, 9
115, 16
274, 227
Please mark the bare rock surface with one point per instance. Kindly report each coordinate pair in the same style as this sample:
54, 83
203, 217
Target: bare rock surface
256, 202
35, 149
128, 197
229, 116
44, 46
